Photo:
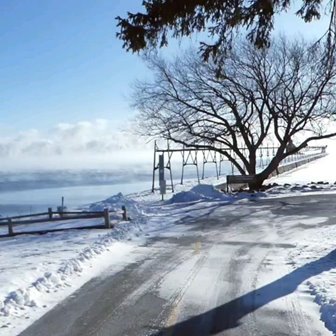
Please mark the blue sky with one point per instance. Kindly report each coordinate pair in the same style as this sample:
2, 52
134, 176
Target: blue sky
61, 62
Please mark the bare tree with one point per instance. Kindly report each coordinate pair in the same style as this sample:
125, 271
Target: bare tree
281, 93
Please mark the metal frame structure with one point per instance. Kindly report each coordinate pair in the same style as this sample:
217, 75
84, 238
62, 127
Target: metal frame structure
190, 157
167, 166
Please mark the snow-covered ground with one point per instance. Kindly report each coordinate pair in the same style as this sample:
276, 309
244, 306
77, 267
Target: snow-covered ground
319, 245
317, 177
37, 272
320, 170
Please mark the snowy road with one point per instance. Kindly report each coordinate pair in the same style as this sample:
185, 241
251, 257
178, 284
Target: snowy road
224, 273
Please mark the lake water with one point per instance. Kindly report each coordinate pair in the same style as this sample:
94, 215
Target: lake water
29, 192
36, 200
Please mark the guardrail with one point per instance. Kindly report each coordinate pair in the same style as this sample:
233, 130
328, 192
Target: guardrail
305, 153
297, 163
57, 216
293, 162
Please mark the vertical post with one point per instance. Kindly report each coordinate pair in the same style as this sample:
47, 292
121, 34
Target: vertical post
196, 164
62, 202
232, 154
216, 165
170, 154
107, 218
124, 213
154, 167
10, 227
204, 162
182, 165
161, 175
171, 179
50, 213
220, 164
220, 161
268, 156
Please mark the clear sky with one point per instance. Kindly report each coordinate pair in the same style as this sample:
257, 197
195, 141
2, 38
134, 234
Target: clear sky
60, 62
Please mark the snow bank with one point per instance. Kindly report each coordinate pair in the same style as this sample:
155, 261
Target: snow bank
317, 249
322, 169
49, 267
317, 176
116, 202
297, 188
200, 192
327, 304
19, 299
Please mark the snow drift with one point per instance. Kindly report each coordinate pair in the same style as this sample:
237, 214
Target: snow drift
200, 192
61, 262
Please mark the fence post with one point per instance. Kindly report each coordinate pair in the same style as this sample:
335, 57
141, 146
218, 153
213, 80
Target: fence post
107, 218
124, 213
10, 227
50, 213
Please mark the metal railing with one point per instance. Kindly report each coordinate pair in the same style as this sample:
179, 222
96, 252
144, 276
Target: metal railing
200, 157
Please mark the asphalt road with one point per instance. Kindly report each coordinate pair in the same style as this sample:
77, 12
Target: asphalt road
225, 273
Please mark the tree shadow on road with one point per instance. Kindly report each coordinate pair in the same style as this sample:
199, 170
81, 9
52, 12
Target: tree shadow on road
229, 315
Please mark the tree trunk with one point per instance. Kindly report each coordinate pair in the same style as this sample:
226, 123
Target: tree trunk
264, 175
257, 183
252, 171
252, 162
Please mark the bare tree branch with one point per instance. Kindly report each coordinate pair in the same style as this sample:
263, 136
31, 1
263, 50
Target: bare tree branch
280, 94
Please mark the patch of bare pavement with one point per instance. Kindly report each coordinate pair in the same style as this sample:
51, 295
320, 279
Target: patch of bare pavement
224, 274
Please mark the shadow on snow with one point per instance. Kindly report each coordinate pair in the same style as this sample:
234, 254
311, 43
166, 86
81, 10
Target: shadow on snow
229, 315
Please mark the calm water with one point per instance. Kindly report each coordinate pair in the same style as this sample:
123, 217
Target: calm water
35, 200
29, 192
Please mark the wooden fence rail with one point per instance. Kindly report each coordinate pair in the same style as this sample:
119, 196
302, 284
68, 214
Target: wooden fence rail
56, 216
63, 213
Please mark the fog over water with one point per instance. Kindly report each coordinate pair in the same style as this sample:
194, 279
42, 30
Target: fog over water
85, 162
31, 184
32, 190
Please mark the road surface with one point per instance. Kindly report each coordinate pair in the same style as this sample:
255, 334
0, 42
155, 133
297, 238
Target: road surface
224, 273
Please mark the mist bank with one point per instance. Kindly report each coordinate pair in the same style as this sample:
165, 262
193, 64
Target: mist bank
115, 160
91, 144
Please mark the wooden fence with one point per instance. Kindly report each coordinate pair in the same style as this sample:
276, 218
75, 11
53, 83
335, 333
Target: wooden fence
56, 216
